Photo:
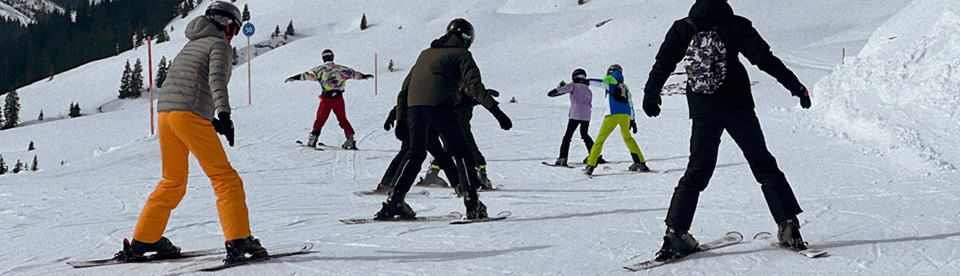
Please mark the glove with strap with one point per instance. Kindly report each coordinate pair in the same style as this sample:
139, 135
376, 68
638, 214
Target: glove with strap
224, 126
804, 96
633, 126
366, 76
391, 118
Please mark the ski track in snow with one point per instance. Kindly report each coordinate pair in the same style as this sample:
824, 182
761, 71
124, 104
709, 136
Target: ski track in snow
876, 187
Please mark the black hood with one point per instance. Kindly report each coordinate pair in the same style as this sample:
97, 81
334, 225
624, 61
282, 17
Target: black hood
448, 41
711, 10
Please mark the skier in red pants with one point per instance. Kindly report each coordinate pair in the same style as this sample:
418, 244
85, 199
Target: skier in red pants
332, 77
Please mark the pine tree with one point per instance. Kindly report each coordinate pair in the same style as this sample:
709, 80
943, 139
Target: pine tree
11, 110
162, 72
363, 22
233, 1
136, 80
34, 167
125, 81
290, 30
2, 118
30, 147
182, 9
163, 36
74, 110
235, 56
246, 13
40, 118
18, 167
276, 33
3, 166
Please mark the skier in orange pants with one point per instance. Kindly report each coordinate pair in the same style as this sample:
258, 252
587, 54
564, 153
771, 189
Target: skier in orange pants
196, 87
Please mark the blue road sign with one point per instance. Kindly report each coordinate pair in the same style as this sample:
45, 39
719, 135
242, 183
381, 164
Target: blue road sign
248, 29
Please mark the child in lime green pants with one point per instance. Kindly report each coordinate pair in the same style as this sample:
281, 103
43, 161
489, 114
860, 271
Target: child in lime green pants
621, 114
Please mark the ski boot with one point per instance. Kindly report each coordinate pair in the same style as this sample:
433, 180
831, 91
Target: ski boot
485, 182
639, 167
399, 210
134, 252
561, 162
475, 208
432, 178
789, 234
350, 144
312, 140
239, 250
589, 170
676, 245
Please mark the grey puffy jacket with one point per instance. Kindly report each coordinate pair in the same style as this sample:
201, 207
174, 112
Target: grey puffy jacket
198, 76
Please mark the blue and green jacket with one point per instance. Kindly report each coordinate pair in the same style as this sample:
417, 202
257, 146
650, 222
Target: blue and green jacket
619, 104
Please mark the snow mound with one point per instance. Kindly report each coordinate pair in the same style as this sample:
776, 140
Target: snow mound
899, 99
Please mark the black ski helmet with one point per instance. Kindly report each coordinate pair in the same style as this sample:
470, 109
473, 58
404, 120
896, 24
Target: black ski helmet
615, 67
327, 55
579, 73
224, 14
463, 29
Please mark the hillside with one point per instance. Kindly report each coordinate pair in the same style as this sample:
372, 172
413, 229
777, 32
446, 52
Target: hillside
874, 195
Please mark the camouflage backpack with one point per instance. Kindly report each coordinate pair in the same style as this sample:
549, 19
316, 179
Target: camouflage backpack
705, 61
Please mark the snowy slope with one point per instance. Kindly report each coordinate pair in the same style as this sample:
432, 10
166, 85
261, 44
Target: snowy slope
871, 214
9, 12
909, 68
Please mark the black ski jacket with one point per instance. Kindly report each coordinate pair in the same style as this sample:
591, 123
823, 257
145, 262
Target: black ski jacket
739, 36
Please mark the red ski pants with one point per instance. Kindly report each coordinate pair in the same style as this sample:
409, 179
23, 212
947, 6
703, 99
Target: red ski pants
338, 108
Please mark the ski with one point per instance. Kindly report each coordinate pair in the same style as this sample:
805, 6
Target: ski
302, 249
448, 217
731, 238
114, 261
809, 252
500, 216
309, 147
329, 147
376, 192
557, 166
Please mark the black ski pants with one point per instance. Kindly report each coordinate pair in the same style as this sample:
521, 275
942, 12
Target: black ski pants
464, 116
744, 127
440, 158
572, 126
443, 119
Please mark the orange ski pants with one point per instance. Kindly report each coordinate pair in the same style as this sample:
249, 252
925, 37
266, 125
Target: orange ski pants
181, 133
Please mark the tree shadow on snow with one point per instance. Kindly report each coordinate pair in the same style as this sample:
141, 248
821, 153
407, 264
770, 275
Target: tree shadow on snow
413, 256
588, 214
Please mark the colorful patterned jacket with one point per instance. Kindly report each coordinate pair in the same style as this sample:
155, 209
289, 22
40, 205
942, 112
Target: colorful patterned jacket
332, 76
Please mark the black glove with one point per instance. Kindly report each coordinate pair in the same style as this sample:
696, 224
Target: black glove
224, 126
651, 104
562, 84
401, 131
804, 96
293, 78
502, 118
493, 93
633, 126
392, 117
552, 93
366, 76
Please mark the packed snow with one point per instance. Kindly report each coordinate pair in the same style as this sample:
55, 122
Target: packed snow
872, 162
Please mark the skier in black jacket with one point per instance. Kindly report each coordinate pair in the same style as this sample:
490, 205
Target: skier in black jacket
442, 160
729, 107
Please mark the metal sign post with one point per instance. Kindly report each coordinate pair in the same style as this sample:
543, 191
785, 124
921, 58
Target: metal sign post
248, 30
